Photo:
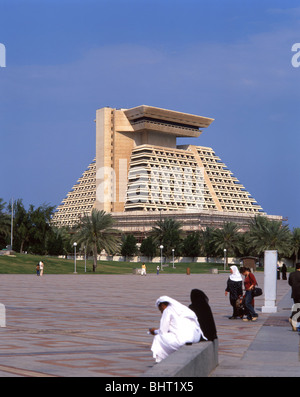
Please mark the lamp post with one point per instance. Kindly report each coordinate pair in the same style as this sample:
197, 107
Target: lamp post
12, 224
225, 258
84, 259
161, 248
75, 245
173, 256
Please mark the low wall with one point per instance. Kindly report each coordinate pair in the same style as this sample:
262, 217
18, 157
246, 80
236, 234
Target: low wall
169, 261
157, 259
196, 360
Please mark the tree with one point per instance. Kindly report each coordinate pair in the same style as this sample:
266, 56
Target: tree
96, 232
22, 225
295, 243
148, 247
245, 248
191, 245
39, 219
228, 238
31, 227
266, 234
206, 241
59, 241
128, 245
167, 232
54, 242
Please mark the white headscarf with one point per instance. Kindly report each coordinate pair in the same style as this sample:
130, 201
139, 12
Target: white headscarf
236, 275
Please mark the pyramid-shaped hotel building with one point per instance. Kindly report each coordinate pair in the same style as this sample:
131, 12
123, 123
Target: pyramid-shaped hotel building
140, 175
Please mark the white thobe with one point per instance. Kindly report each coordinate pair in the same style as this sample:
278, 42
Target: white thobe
178, 326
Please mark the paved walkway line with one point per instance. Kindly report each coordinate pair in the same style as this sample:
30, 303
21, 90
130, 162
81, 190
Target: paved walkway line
23, 372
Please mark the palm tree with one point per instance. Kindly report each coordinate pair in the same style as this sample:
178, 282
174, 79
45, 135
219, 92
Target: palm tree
266, 234
245, 248
295, 242
167, 232
228, 237
64, 233
96, 231
206, 241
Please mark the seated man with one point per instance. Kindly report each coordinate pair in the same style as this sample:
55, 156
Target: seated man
178, 325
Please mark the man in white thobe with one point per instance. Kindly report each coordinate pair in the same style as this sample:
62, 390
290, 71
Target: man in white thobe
178, 325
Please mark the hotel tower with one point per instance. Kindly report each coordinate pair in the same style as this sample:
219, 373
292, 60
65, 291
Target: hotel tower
140, 175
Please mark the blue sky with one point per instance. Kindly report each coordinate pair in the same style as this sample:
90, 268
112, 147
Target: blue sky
229, 60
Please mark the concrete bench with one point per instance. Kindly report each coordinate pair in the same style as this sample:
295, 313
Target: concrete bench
196, 360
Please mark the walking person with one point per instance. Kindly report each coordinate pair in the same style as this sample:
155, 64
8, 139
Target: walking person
235, 290
294, 282
278, 272
41, 268
143, 272
284, 271
249, 284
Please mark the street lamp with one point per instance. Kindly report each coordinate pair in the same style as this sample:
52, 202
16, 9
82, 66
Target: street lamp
173, 256
75, 245
161, 248
84, 259
225, 259
12, 224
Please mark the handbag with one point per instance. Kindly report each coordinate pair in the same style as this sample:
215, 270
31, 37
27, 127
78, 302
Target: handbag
257, 291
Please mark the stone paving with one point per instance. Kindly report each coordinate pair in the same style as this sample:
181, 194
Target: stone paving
96, 325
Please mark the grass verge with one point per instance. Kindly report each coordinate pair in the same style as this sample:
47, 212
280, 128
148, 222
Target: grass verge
26, 264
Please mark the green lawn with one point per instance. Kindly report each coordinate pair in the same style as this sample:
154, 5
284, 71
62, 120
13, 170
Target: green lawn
26, 264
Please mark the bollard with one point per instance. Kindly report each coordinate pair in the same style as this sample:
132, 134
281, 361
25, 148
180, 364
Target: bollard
188, 271
2, 316
270, 282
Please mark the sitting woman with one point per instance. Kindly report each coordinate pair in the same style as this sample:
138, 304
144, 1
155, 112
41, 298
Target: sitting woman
178, 325
200, 305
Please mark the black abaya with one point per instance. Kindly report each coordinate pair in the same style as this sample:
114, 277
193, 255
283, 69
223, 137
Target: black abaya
203, 311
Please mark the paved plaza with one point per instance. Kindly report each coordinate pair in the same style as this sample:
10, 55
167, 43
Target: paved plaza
96, 325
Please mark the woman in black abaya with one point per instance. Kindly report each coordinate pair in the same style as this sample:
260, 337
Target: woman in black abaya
203, 311
235, 289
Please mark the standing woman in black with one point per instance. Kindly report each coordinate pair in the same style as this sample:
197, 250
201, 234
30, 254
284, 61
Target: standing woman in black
235, 289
